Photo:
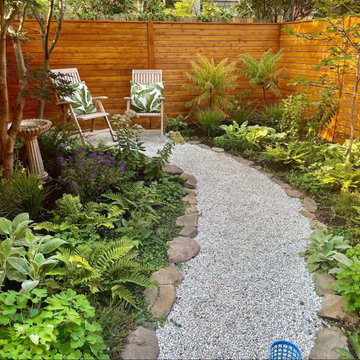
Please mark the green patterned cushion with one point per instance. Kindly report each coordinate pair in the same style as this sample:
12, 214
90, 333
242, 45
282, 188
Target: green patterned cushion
145, 98
82, 98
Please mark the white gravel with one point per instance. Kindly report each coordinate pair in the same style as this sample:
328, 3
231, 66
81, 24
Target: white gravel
247, 287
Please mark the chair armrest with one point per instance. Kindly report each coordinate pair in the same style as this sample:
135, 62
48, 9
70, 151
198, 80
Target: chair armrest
127, 98
162, 98
65, 102
100, 97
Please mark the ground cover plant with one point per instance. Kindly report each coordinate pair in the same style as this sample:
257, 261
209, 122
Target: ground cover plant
103, 221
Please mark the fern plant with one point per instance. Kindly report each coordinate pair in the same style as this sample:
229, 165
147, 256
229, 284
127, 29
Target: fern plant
104, 268
213, 83
264, 73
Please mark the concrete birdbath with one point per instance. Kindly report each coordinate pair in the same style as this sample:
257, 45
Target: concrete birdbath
30, 130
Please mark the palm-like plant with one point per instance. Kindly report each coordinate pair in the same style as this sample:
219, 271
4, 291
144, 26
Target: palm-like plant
265, 72
212, 82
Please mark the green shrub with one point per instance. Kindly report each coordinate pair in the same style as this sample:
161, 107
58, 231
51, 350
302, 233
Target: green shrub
104, 267
176, 124
244, 112
38, 326
271, 116
209, 120
347, 281
24, 257
213, 83
324, 251
22, 192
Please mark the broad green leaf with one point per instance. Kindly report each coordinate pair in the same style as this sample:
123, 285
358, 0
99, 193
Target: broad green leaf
5, 226
51, 245
28, 285
20, 265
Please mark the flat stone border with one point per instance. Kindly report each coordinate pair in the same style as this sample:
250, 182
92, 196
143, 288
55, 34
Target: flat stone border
142, 343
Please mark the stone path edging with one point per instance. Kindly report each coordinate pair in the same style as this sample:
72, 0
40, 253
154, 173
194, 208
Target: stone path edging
142, 343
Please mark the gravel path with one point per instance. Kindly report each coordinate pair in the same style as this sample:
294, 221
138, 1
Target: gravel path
247, 287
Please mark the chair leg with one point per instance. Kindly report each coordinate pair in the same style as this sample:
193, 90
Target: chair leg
110, 129
92, 125
162, 122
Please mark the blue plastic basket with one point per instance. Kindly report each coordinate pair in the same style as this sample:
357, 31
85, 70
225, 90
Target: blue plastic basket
284, 350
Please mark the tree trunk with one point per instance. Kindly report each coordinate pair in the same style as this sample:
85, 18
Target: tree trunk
353, 106
41, 106
4, 104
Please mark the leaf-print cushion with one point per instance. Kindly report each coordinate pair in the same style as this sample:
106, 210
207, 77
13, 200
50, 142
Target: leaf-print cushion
145, 98
82, 98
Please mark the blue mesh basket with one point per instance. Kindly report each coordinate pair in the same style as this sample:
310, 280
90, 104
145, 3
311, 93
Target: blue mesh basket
284, 350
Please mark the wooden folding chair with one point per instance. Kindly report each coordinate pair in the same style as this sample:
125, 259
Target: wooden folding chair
73, 76
150, 77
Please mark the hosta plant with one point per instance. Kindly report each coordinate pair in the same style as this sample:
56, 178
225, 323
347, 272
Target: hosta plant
324, 251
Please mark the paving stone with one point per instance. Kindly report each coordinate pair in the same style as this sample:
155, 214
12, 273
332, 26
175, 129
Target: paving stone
318, 224
190, 199
257, 167
293, 193
334, 308
217, 149
204, 146
270, 176
310, 205
194, 142
189, 231
161, 299
307, 214
173, 170
141, 344
244, 161
191, 209
187, 220
323, 284
182, 249
190, 192
326, 340
279, 182
190, 181
167, 276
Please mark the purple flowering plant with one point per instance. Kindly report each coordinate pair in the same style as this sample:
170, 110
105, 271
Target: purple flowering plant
90, 174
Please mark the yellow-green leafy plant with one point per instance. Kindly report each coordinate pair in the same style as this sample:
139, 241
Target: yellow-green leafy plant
265, 72
213, 82
182, 9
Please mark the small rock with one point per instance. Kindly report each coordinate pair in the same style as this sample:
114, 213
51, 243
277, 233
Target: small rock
187, 220
307, 214
190, 199
173, 170
190, 192
317, 224
194, 142
323, 284
244, 161
204, 146
293, 193
190, 181
279, 182
191, 209
326, 340
257, 167
189, 231
161, 299
310, 205
141, 344
217, 149
182, 249
167, 276
334, 308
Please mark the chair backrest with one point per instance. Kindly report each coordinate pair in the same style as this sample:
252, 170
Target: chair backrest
147, 76
70, 74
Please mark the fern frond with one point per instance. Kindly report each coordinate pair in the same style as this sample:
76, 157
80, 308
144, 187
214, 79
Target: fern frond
121, 292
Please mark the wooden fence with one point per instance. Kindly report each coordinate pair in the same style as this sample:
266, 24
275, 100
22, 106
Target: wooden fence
105, 52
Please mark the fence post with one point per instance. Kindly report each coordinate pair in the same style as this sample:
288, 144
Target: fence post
150, 40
